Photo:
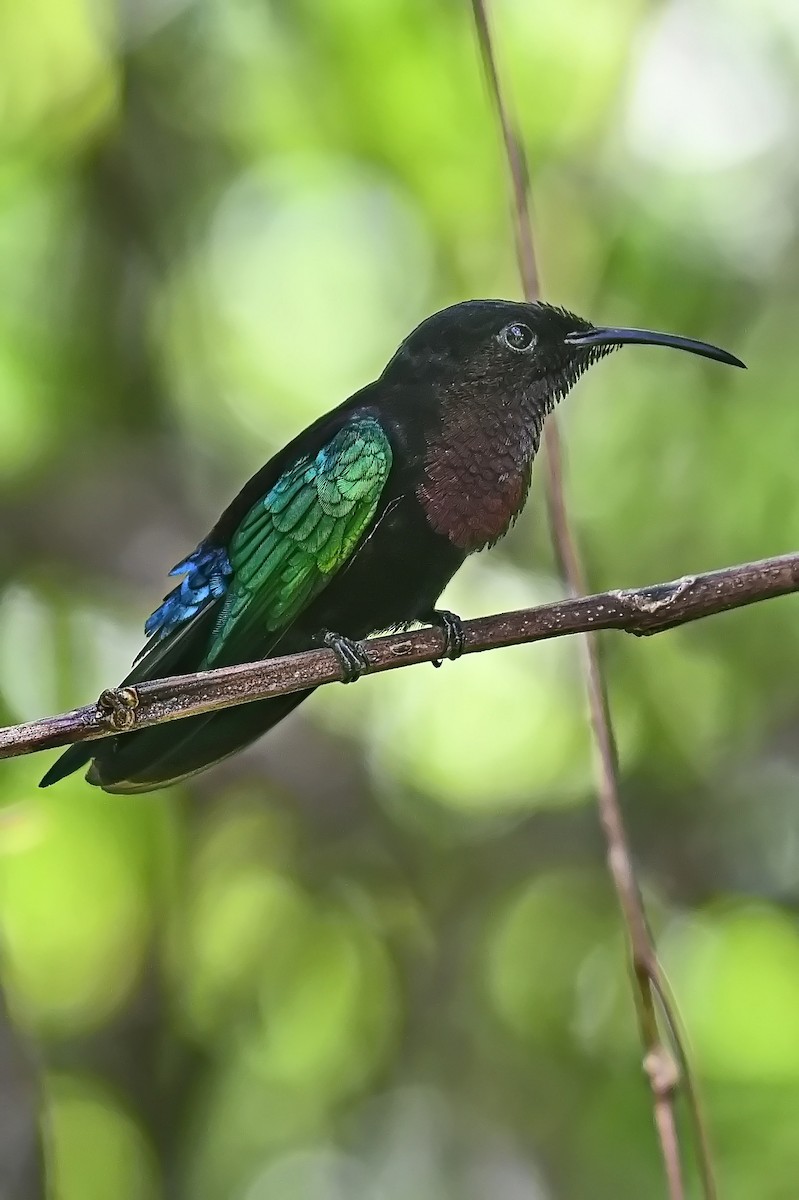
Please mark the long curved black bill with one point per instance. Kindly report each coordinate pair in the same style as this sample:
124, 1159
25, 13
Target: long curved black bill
647, 337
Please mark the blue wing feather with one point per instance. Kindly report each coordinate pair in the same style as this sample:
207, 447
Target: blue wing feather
207, 572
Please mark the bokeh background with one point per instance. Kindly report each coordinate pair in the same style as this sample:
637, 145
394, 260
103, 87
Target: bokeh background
378, 958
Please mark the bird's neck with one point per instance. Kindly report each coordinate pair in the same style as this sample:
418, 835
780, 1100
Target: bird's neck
477, 468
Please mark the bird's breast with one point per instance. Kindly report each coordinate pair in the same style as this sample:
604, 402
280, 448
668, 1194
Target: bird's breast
474, 485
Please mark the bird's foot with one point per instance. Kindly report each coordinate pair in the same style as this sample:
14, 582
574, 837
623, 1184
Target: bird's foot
454, 635
351, 655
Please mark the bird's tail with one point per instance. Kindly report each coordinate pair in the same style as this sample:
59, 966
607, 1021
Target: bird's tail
150, 759
70, 760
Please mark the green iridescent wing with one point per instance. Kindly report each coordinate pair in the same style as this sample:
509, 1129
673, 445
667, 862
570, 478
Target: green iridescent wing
294, 540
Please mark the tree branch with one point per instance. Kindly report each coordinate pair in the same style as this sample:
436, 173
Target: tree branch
646, 970
641, 611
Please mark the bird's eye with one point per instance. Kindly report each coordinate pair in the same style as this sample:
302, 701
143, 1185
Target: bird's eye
518, 337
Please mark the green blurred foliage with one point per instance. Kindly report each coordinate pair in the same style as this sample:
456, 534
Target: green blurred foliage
378, 955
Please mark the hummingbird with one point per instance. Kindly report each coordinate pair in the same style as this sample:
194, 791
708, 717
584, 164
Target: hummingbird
359, 523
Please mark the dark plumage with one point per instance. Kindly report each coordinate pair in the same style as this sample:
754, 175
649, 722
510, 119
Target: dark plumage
360, 522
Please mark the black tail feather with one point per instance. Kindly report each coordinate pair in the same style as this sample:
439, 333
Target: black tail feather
175, 655
148, 759
155, 758
71, 760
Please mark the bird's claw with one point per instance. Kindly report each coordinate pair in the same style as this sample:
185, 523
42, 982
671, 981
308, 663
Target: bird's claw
454, 636
351, 655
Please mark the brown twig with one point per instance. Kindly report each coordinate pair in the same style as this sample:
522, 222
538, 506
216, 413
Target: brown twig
658, 1063
641, 611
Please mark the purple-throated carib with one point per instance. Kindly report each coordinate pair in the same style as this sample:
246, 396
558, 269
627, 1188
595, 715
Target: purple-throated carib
358, 524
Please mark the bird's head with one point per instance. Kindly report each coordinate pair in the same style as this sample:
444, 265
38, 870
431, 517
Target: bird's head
513, 348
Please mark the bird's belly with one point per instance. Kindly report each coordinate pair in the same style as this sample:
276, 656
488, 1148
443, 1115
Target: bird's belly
395, 578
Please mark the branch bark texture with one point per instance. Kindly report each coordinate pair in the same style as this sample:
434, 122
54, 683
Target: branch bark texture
641, 611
